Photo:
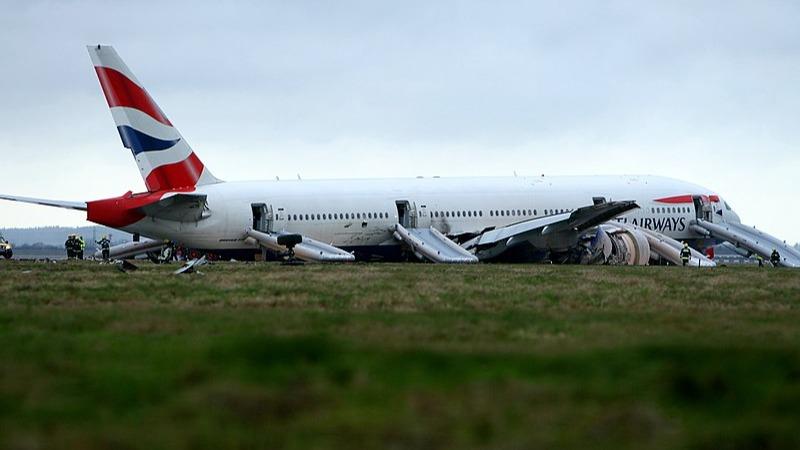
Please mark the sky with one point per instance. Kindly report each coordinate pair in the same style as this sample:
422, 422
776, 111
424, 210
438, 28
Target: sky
702, 91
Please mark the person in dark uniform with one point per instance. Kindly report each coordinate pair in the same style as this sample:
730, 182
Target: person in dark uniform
686, 254
775, 258
69, 245
105, 246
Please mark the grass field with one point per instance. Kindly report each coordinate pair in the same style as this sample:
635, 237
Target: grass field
398, 356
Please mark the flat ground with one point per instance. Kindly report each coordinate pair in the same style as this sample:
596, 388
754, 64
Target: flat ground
402, 356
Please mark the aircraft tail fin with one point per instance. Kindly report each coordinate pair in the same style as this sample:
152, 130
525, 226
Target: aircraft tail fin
165, 159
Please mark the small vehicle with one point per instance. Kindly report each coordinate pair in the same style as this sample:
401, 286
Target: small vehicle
5, 248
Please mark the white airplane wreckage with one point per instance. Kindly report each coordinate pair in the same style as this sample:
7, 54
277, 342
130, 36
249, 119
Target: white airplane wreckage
626, 220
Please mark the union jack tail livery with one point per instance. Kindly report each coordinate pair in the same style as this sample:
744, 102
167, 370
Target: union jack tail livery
165, 159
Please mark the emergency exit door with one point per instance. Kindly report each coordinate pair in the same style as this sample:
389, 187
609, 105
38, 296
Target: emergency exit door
702, 208
262, 217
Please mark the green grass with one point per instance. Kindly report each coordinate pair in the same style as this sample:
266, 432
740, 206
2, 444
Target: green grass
399, 356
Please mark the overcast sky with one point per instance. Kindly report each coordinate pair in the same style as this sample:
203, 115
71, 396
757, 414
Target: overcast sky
702, 91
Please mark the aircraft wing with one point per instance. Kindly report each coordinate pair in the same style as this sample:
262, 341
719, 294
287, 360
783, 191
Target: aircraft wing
178, 207
556, 231
80, 206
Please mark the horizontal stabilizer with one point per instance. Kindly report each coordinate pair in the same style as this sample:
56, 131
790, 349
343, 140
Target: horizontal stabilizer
177, 207
80, 206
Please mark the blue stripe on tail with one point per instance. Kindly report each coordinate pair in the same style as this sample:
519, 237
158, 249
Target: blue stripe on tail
139, 142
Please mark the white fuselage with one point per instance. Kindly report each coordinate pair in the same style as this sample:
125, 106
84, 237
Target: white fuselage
363, 213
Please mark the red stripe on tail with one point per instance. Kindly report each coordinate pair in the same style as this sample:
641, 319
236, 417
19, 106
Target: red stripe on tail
177, 175
120, 91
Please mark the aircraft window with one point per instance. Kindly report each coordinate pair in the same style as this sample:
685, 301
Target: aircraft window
534, 212
358, 215
491, 213
727, 206
369, 215
480, 213
469, 213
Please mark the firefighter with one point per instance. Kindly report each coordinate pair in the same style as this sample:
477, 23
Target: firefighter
69, 245
80, 245
166, 253
760, 260
686, 253
105, 246
775, 257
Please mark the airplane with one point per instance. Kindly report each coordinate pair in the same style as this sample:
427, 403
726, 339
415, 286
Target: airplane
618, 219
